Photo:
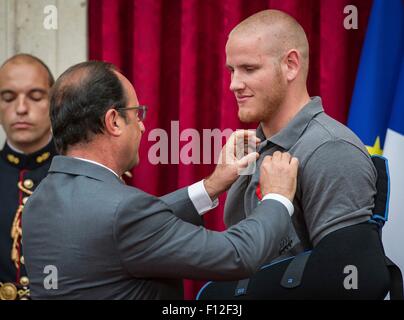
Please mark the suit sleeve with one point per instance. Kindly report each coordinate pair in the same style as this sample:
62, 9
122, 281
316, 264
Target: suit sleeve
182, 206
152, 242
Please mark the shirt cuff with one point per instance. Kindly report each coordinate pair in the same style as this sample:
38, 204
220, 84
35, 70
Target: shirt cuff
285, 201
200, 198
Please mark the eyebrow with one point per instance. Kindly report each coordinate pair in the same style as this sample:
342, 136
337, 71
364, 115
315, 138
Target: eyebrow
30, 91
244, 65
37, 90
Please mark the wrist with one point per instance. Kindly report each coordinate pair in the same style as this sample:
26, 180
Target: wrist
282, 199
212, 188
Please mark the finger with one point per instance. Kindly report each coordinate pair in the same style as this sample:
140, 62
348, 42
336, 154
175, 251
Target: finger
267, 159
249, 158
231, 143
277, 156
254, 140
286, 157
250, 147
239, 137
294, 163
240, 133
246, 141
228, 151
250, 135
251, 132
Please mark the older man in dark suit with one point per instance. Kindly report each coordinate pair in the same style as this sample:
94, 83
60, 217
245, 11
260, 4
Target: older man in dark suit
89, 236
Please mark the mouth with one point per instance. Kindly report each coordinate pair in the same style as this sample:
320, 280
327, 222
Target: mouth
22, 125
243, 98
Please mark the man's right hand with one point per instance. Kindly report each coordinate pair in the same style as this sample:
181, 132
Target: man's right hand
236, 155
278, 174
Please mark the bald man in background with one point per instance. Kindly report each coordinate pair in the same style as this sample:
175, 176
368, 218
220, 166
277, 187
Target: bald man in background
268, 57
24, 160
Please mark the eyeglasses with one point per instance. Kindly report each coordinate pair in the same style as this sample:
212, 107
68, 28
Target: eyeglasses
141, 114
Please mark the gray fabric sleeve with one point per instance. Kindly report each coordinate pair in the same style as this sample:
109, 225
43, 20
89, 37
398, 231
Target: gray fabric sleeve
338, 184
182, 206
152, 242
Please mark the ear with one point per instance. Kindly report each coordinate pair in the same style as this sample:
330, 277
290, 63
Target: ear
293, 61
114, 123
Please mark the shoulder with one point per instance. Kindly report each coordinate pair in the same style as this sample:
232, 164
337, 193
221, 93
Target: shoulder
335, 130
326, 137
338, 163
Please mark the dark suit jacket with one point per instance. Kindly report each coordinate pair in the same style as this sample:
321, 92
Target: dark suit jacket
112, 241
17, 168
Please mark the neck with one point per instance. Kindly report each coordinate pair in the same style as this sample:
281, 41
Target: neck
100, 155
30, 148
285, 113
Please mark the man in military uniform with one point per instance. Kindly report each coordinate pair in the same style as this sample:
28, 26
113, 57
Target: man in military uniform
25, 82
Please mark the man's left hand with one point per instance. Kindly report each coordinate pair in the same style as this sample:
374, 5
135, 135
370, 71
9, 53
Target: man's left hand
237, 154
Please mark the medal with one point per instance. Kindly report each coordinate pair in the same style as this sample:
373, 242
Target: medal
8, 291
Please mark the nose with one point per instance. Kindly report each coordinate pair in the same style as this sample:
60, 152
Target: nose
21, 106
236, 82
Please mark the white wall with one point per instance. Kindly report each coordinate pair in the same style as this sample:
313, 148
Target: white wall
22, 30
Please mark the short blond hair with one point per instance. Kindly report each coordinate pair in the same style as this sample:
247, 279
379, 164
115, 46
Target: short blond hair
285, 32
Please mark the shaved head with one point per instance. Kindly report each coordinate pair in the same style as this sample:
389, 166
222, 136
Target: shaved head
24, 58
267, 55
25, 82
280, 31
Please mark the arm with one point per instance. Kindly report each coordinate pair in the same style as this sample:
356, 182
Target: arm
338, 185
182, 206
154, 243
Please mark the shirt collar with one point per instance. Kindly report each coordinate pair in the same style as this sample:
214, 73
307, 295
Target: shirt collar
83, 167
98, 164
289, 135
31, 161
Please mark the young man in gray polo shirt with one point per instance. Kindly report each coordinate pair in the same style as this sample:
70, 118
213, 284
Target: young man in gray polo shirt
268, 57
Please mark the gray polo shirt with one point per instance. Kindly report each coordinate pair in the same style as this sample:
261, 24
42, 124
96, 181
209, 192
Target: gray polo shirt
336, 179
